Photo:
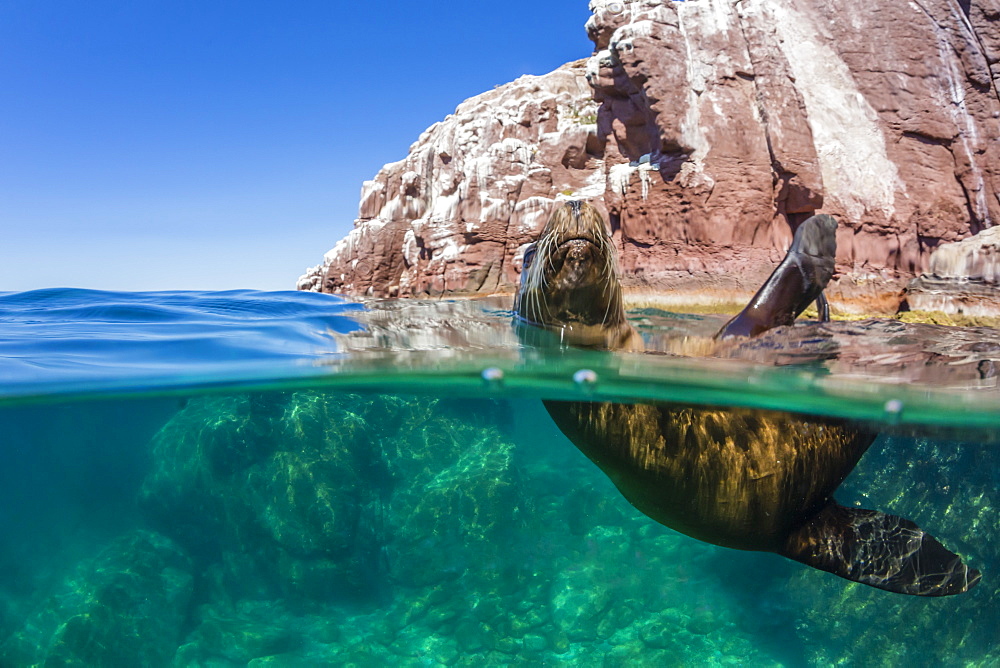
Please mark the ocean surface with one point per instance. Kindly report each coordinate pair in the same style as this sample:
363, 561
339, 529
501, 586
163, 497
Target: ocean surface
291, 479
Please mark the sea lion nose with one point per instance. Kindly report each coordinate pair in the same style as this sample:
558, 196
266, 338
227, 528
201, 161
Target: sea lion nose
578, 252
576, 261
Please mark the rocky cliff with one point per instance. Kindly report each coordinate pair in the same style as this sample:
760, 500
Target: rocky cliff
451, 216
707, 130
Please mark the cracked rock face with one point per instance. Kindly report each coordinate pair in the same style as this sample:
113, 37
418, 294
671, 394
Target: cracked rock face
706, 130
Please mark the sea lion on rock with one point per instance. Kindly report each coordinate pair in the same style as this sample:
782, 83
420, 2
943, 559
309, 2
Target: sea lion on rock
742, 478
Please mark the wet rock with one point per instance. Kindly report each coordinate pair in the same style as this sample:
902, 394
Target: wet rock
276, 661
631, 653
535, 643
702, 623
251, 630
458, 499
560, 642
470, 637
342, 498
661, 633
578, 606
500, 590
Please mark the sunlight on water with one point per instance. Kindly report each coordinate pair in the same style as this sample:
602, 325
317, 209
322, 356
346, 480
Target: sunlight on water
232, 479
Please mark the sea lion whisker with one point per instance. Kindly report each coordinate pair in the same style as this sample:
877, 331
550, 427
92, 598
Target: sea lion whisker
536, 307
541, 306
606, 290
607, 312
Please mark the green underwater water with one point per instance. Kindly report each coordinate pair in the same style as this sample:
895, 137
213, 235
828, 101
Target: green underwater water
408, 525
290, 479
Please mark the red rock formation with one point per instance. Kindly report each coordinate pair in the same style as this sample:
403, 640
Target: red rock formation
718, 126
451, 217
963, 277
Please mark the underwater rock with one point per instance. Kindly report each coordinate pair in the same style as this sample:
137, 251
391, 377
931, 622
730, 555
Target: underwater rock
334, 497
458, 487
126, 607
705, 132
461, 563
282, 489
249, 631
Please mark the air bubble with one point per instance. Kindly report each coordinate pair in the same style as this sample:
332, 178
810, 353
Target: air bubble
893, 410
492, 376
585, 378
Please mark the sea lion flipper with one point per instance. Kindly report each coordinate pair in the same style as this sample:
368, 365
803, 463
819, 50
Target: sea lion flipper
879, 550
797, 282
823, 308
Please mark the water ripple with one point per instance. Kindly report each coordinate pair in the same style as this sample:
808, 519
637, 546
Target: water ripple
53, 335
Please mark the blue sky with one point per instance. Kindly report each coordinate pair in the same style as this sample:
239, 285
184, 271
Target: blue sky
167, 144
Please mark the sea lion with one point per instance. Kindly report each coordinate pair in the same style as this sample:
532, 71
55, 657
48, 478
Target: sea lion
741, 478
797, 282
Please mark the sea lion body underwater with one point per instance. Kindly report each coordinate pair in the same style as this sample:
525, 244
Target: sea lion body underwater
742, 478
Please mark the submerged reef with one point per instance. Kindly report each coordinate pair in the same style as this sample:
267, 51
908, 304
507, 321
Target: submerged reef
125, 607
312, 528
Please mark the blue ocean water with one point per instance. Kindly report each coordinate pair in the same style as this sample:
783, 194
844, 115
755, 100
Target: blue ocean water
246, 478
59, 340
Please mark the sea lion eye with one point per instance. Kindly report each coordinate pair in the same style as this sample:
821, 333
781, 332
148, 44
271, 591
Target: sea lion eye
529, 255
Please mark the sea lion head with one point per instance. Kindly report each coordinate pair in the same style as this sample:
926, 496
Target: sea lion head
569, 280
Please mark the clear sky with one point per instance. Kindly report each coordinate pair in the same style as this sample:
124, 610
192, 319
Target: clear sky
175, 144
